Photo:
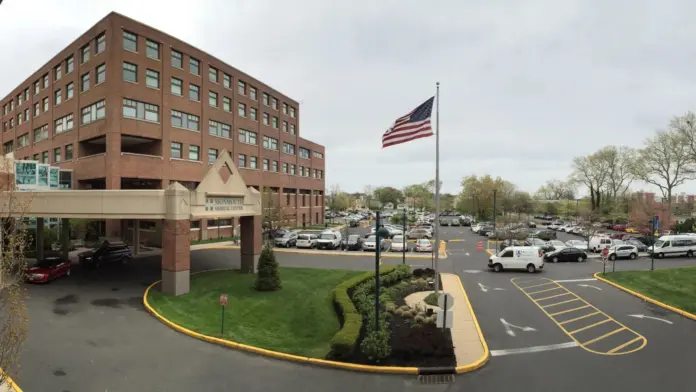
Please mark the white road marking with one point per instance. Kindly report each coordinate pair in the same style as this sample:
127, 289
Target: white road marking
641, 316
485, 288
509, 327
472, 271
575, 280
534, 349
589, 285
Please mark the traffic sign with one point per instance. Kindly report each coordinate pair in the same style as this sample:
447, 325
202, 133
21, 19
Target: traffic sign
445, 301
605, 252
444, 318
223, 299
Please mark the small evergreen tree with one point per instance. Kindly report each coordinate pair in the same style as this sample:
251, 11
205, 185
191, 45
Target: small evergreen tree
267, 276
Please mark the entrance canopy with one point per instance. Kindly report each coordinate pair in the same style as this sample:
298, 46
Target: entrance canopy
221, 194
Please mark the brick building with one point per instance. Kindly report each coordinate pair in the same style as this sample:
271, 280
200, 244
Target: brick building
644, 205
126, 106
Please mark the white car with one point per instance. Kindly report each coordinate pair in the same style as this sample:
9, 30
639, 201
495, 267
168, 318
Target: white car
307, 241
536, 242
577, 244
475, 228
557, 244
398, 244
424, 245
623, 252
553, 226
528, 258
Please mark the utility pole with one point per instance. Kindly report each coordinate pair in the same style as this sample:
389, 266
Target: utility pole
495, 192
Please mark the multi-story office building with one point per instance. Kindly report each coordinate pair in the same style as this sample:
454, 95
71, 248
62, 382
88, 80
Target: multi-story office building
126, 106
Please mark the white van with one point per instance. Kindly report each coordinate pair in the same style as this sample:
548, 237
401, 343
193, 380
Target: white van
674, 245
528, 258
598, 243
329, 239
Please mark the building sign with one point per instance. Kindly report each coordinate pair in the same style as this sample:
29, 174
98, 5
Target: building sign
224, 204
53, 177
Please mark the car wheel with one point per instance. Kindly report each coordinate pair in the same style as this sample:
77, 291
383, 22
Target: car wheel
689, 254
660, 255
612, 257
555, 259
633, 256
497, 267
581, 259
531, 268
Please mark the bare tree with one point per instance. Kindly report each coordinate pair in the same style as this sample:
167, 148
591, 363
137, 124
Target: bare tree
369, 195
14, 240
592, 171
620, 161
685, 126
272, 216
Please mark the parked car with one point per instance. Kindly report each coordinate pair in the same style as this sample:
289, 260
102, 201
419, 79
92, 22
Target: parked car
354, 242
424, 245
47, 270
527, 258
398, 244
287, 240
623, 252
484, 230
619, 227
578, 244
370, 243
455, 222
418, 234
330, 239
557, 244
538, 242
642, 247
598, 243
566, 254
545, 235
108, 252
308, 241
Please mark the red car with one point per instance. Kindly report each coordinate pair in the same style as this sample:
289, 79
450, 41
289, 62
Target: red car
619, 227
47, 270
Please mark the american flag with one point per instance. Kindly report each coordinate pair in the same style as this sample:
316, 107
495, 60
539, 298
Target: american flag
414, 125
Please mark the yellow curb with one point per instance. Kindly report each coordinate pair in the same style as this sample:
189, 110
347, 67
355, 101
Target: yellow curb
490, 252
486, 353
13, 385
270, 353
645, 298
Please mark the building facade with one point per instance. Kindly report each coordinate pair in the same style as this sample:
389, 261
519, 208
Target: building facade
126, 106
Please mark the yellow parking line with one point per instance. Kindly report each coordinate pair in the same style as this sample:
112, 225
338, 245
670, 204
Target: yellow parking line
543, 291
579, 318
567, 311
606, 335
560, 303
538, 285
590, 326
553, 296
617, 348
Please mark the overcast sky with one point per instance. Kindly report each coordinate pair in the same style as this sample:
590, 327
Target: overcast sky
526, 85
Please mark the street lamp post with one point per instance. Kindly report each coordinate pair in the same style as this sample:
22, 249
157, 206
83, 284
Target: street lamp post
473, 207
403, 236
495, 192
380, 232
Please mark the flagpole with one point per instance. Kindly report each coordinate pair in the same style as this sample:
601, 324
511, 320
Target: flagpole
436, 245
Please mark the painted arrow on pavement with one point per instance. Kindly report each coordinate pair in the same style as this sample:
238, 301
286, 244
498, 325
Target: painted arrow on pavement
509, 328
486, 288
642, 316
589, 285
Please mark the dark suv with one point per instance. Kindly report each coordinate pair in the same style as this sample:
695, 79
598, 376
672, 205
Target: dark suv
114, 252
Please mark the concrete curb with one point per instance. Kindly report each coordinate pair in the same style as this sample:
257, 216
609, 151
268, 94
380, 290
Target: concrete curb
11, 383
486, 352
389, 255
646, 298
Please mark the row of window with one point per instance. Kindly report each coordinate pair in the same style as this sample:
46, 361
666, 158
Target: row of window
43, 157
41, 107
153, 49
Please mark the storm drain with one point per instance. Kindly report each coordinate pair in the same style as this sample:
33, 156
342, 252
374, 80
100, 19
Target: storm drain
433, 379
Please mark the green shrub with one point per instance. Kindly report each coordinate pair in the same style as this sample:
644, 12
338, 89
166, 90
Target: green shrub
398, 312
409, 315
432, 298
268, 275
375, 345
418, 319
421, 314
416, 325
414, 312
405, 308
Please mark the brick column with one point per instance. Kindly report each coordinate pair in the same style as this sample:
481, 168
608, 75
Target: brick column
250, 242
65, 238
176, 245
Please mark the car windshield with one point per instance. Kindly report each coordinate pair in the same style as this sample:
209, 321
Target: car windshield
371, 239
48, 263
303, 237
398, 238
423, 242
659, 243
327, 236
353, 238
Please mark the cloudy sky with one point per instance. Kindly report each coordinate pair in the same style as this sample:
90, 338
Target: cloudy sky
526, 85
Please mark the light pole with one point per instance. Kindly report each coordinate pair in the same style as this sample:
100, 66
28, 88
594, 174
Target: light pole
403, 236
380, 232
473, 207
495, 192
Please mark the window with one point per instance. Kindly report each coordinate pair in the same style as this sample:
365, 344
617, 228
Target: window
252, 113
69, 91
219, 129
274, 166
36, 157
45, 104
270, 143
58, 72
194, 66
212, 155
253, 163
41, 133
285, 168
93, 112
241, 160
130, 42
37, 87
19, 119
130, 72
84, 84
177, 86
289, 148
320, 174
68, 152
292, 129
252, 93
275, 122
177, 59
57, 97
212, 74
56, 154
45, 81
11, 105
101, 43
194, 153
241, 87
274, 103
247, 137
152, 78
318, 154
19, 99
301, 171
8, 147
84, 57
304, 153
212, 98
265, 164
175, 150
44, 157
285, 126
226, 104
152, 49
26, 94
241, 109
140, 110
292, 112
11, 123
23, 140
266, 119
194, 93
63, 124
226, 80
266, 97
26, 115
185, 120
37, 109
285, 108
69, 65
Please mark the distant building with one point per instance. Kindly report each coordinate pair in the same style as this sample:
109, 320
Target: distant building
644, 205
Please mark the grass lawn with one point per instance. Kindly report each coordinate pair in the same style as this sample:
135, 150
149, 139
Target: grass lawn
676, 286
212, 240
297, 319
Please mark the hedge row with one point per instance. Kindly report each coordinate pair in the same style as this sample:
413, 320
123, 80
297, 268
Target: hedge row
344, 342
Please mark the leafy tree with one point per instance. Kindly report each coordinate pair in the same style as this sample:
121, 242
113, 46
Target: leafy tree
556, 190
481, 189
388, 195
447, 202
268, 274
419, 195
